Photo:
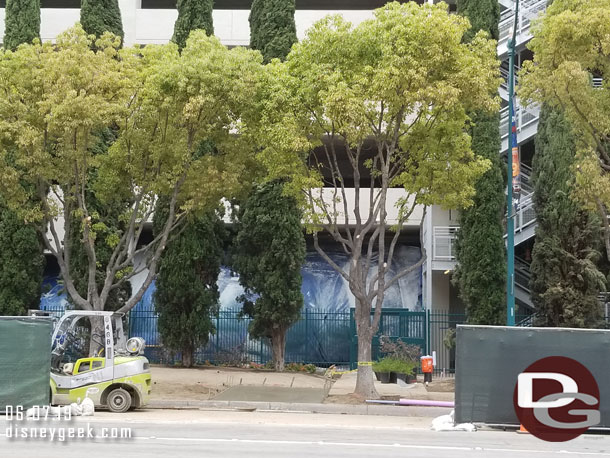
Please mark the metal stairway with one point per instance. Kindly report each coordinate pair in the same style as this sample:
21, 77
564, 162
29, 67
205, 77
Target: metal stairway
522, 282
528, 10
525, 219
526, 118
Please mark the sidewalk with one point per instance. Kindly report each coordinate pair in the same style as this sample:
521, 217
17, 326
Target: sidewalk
343, 409
347, 384
214, 388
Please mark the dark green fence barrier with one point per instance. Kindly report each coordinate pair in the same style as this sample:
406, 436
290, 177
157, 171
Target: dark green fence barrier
409, 327
321, 338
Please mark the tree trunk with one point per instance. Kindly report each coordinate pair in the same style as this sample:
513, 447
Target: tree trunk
278, 348
365, 382
187, 356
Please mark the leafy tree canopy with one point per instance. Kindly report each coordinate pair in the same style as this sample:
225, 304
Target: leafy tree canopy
570, 48
163, 102
398, 87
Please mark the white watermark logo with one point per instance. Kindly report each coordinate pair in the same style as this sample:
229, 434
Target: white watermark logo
557, 399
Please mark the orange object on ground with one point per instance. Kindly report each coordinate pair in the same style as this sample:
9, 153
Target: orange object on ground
522, 430
426, 365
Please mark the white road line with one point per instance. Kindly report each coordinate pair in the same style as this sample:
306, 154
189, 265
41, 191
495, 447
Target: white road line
372, 445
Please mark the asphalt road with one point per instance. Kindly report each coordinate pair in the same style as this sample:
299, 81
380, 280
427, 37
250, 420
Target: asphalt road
258, 434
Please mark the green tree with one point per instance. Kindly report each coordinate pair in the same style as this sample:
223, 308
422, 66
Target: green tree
21, 265
565, 279
570, 48
376, 99
111, 226
481, 271
21, 255
193, 15
21, 23
99, 16
164, 103
269, 253
483, 15
187, 295
272, 28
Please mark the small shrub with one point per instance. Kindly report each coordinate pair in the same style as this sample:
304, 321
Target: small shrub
391, 364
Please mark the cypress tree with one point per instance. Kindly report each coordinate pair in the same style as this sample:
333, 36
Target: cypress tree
482, 14
193, 15
272, 28
481, 271
21, 265
21, 23
269, 253
21, 253
187, 296
99, 16
565, 280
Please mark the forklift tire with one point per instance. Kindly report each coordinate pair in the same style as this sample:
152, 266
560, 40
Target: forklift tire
118, 400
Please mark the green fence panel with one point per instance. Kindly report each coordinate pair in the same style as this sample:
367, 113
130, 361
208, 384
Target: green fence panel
25, 361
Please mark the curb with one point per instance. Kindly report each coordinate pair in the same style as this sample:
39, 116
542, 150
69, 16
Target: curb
340, 409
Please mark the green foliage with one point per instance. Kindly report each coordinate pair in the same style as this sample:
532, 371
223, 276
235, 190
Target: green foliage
335, 81
21, 256
379, 87
268, 255
391, 364
565, 279
480, 250
192, 15
108, 227
186, 297
272, 28
21, 265
21, 23
100, 16
570, 47
482, 14
165, 103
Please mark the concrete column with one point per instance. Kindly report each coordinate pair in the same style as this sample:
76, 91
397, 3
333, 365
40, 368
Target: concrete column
129, 9
427, 287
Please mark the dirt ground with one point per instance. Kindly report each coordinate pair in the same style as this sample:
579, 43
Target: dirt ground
204, 383
445, 385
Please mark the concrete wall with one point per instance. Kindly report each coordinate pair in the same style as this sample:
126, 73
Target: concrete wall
156, 26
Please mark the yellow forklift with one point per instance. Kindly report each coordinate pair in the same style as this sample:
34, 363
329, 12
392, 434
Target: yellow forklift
90, 358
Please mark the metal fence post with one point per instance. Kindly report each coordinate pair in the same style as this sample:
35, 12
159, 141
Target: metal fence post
428, 332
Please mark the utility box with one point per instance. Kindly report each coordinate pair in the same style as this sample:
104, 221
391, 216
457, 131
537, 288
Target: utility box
489, 360
25, 361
